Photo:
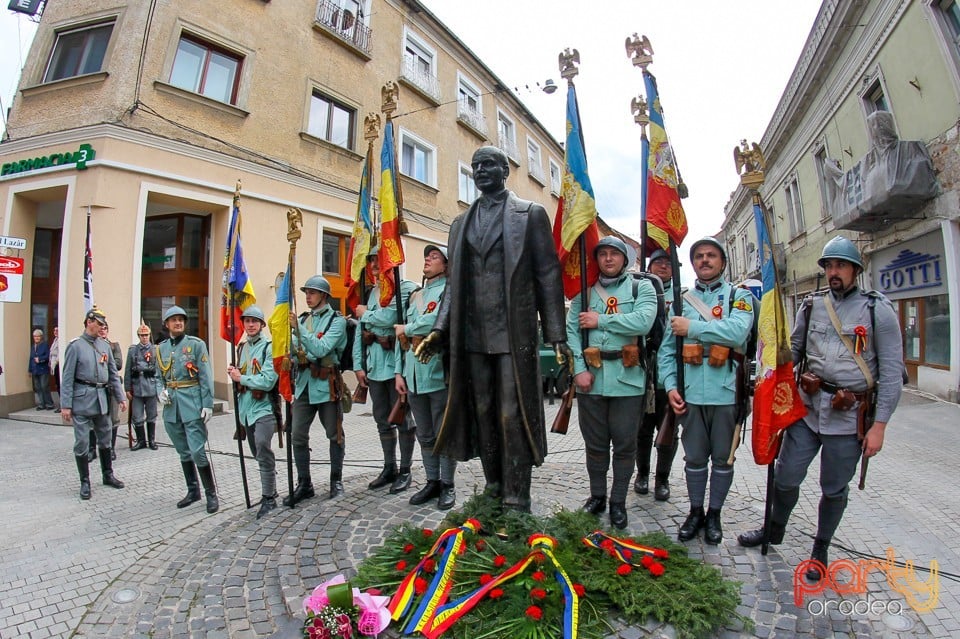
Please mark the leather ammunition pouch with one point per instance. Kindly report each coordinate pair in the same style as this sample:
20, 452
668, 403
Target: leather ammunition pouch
809, 383
843, 399
368, 337
591, 355
323, 372
387, 342
718, 355
398, 414
693, 354
257, 394
404, 343
630, 354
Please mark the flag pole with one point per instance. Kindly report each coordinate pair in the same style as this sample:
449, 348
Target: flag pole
239, 433
294, 222
640, 54
389, 105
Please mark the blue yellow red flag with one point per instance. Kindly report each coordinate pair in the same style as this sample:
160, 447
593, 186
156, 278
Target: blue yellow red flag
776, 402
279, 326
391, 248
237, 286
664, 212
577, 208
362, 237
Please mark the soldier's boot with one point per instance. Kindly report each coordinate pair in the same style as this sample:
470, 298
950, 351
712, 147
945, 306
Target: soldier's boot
819, 553
93, 446
193, 485
407, 440
83, 467
268, 503
401, 482
692, 525
385, 478
618, 514
303, 490
661, 487
141, 442
641, 484
152, 435
209, 488
106, 468
113, 444
448, 496
428, 492
713, 531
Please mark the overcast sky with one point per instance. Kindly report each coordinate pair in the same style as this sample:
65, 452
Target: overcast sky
721, 68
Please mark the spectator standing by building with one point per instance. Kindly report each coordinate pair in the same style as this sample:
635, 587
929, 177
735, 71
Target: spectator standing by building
39, 369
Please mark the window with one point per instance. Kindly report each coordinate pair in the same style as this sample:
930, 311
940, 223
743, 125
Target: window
469, 105
417, 158
926, 331
468, 190
347, 20
875, 99
824, 182
794, 208
78, 52
205, 69
555, 179
331, 253
419, 65
331, 121
534, 163
507, 136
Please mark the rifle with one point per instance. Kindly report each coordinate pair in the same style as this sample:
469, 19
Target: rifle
360, 392
667, 432
865, 416
561, 421
294, 222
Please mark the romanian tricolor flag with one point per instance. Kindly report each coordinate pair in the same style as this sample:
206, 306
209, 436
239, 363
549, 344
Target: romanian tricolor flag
665, 217
361, 239
237, 290
776, 402
391, 202
577, 209
279, 326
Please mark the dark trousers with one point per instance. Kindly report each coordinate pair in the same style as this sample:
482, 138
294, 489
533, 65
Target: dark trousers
607, 422
504, 447
41, 390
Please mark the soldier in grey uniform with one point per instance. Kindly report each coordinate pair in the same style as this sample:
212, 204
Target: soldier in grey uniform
89, 374
140, 382
834, 389
117, 354
185, 390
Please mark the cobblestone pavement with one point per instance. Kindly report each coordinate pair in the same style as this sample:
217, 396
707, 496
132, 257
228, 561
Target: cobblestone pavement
128, 563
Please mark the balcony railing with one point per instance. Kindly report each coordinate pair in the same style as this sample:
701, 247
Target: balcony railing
423, 80
344, 24
471, 117
509, 146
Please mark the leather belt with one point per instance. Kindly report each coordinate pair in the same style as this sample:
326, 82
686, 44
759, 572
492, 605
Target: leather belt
91, 384
831, 388
611, 356
176, 384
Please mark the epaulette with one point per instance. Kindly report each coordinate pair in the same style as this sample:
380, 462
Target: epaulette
304, 315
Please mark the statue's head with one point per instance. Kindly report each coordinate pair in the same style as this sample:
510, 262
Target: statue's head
490, 169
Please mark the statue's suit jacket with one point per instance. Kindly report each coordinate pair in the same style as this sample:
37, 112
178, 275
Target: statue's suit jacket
533, 289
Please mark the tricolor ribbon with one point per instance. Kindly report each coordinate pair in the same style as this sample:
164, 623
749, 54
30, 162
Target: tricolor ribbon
447, 548
861, 339
612, 305
541, 548
626, 551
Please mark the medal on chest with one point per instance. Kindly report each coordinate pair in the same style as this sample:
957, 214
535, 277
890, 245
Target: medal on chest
717, 311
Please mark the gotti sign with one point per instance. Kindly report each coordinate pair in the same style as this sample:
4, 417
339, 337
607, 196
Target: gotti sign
911, 271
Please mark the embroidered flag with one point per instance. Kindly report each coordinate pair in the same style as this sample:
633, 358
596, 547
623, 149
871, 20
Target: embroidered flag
577, 208
236, 282
664, 212
361, 239
279, 325
391, 220
776, 402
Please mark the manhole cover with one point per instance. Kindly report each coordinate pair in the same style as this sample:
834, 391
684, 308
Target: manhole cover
898, 623
125, 595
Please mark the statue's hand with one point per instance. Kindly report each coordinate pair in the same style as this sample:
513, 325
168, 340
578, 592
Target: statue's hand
429, 347
563, 352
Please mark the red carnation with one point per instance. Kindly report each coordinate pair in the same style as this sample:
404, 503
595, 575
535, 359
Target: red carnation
624, 569
499, 560
646, 561
485, 578
627, 553
606, 544
534, 612
481, 545
408, 549
429, 565
419, 585
496, 593
656, 569
538, 593
401, 565
462, 550
373, 591
660, 553
539, 575
579, 589
539, 557
427, 532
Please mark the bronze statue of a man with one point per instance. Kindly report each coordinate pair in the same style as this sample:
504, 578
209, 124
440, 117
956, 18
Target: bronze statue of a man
504, 275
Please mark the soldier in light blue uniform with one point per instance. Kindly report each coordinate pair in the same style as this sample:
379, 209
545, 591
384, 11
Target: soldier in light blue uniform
715, 331
609, 374
830, 429
424, 384
185, 390
89, 374
140, 382
319, 337
256, 379
375, 369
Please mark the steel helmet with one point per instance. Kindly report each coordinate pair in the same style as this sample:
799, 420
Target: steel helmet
657, 255
840, 248
374, 252
253, 311
712, 242
614, 242
434, 247
173, 311
317, 283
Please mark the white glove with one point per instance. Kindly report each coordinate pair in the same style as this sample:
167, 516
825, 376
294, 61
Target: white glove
164, 397
206, 414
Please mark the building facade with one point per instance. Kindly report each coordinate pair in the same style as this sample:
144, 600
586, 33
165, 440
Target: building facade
830, 170
143, 117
